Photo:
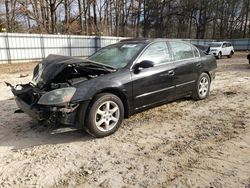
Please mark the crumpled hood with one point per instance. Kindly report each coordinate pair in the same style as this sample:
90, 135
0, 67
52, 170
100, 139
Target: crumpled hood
48, 69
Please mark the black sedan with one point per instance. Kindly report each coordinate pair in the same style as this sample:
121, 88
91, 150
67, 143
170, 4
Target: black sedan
116, 82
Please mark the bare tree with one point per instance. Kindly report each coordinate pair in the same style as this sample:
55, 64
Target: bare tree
134, 18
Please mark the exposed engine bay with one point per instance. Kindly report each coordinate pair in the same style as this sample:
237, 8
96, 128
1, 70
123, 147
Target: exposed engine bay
72, 75
53, 85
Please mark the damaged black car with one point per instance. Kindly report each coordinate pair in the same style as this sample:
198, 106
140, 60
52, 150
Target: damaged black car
97, 93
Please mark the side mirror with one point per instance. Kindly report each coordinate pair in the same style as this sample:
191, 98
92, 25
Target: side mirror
143, 65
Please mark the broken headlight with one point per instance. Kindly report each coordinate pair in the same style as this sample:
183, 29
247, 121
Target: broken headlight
58, 96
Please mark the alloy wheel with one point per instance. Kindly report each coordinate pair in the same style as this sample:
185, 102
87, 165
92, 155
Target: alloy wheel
107, 116
203, 87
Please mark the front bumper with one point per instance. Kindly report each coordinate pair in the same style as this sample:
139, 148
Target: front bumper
49, 114
27, 98
33, 112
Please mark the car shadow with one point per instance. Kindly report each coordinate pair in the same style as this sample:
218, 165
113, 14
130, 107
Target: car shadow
19, 131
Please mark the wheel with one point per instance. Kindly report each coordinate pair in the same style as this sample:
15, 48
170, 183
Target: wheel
105, 115
219, 56
230, 55
202, 88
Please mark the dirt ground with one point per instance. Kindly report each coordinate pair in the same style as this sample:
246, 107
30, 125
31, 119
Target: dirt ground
182, 144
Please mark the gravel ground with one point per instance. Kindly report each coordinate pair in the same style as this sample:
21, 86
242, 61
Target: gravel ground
182, 144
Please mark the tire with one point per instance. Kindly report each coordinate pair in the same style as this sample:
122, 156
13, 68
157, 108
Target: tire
219, 56
202, 87
230, 55
104, 116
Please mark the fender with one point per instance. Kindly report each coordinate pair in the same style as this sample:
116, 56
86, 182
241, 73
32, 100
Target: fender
88, 89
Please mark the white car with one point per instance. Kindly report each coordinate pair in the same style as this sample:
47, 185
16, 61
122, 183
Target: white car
219, 49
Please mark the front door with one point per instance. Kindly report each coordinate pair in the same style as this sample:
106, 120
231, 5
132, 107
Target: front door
155, 84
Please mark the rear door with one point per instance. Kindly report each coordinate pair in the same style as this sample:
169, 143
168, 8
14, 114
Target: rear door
155, 84
187, 63
229, 48
224, 49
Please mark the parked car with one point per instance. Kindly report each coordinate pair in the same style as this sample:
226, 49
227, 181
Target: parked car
116, 82
219, 49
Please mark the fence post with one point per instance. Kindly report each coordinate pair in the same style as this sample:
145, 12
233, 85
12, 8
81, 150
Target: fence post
69, 45
42, 47
6, 39
100, 42
97, 42
232, 41
248, 44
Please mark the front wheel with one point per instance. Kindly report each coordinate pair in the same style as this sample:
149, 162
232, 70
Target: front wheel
105, 115
202, 88
219, 56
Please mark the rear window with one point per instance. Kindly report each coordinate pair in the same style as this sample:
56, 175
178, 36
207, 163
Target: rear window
182, 50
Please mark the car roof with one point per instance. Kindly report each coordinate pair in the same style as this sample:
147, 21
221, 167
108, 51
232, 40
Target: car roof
135, 40
220, 42
147, 40
216, 42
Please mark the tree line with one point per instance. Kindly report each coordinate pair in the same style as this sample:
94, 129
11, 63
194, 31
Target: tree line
216, 19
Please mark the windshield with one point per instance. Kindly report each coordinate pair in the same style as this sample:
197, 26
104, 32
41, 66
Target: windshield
118, 55
215, 45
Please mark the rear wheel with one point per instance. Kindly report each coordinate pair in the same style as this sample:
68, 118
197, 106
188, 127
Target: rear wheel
202, 88
105, 115
230, 55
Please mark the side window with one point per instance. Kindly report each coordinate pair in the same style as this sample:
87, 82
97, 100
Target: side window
196, 52
224, 45
182, 50
157, 53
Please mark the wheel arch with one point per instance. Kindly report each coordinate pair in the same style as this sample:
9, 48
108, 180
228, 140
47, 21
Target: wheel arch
194, 94
208, 73
119, 94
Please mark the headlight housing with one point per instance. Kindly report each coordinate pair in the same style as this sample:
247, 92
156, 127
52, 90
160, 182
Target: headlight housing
57, 97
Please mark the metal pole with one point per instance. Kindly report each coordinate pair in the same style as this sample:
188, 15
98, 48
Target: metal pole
42, 47
7, 45
97, 43
69, 45
248, 44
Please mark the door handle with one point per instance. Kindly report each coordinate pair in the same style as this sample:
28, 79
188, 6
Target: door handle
171, 73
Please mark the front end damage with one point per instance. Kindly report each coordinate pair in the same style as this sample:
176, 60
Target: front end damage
48, 98
28, 99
